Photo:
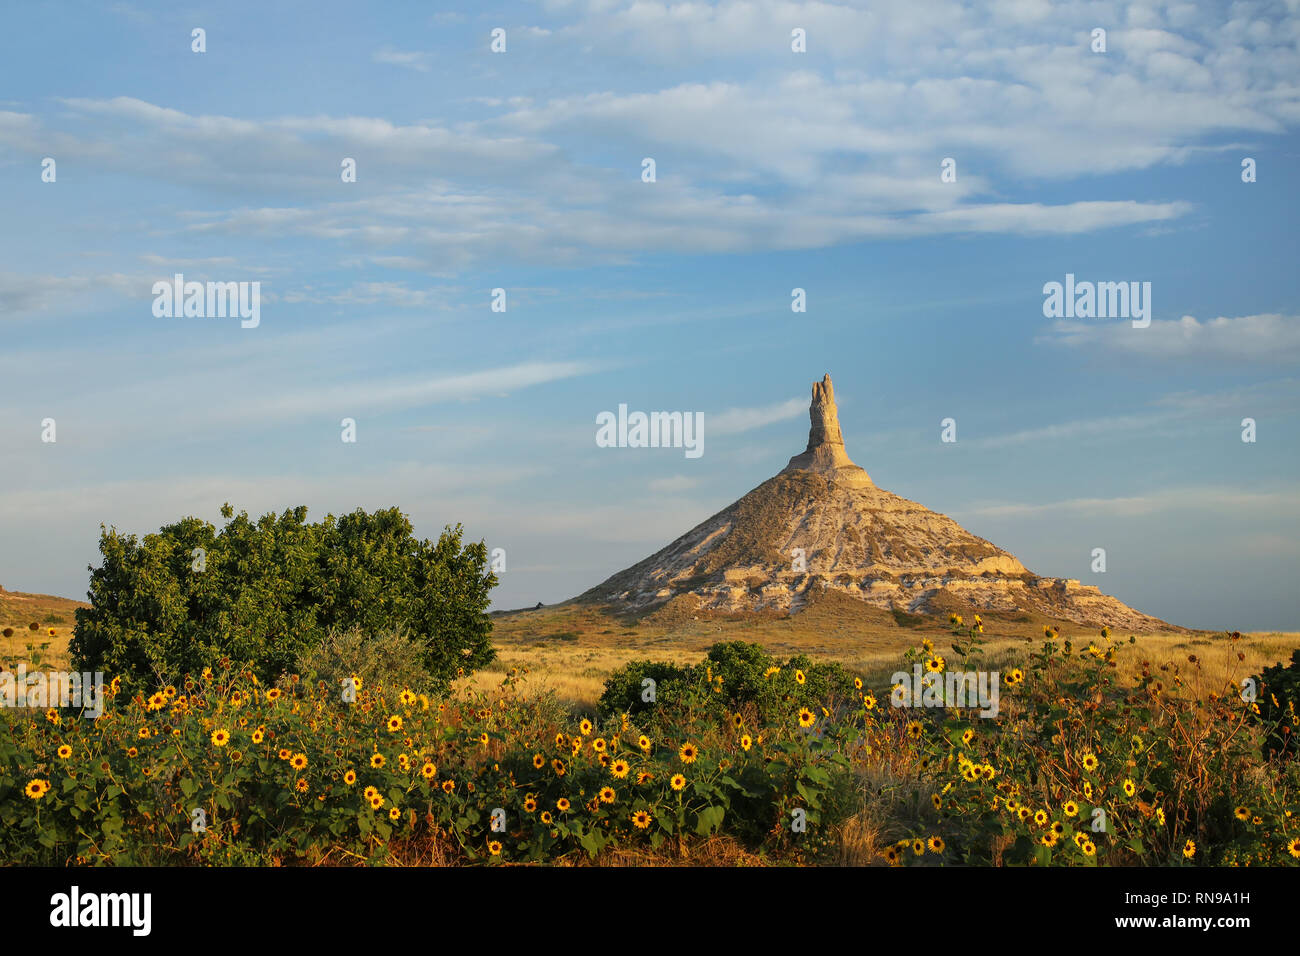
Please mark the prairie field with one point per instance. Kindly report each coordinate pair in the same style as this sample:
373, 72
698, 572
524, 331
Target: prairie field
772, 742
572, 648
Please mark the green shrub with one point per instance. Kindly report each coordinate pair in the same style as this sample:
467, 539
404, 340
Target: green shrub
265, 592
390, 661
624, 691
1281, 684
736, 675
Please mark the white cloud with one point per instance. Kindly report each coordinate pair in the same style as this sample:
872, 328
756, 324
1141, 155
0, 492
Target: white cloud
411, 60
1268, 337
735, 421
1283, 504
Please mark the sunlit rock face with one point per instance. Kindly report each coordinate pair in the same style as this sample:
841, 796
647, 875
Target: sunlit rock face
822, 523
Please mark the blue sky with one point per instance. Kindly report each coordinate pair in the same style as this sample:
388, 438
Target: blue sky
522, 170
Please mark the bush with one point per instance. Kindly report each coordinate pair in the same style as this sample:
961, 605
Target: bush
1279, 693
624, 690
389, 661
737, 675
265, 592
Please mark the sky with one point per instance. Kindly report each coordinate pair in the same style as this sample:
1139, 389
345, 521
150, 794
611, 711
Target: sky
522, 169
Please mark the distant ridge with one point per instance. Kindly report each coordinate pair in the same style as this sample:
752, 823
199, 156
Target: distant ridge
854, 538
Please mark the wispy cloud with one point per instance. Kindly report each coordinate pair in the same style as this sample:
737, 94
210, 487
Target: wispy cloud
734, 421
1268, 337
411, 60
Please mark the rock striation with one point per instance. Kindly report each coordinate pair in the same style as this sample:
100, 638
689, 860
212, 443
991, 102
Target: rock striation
821, 523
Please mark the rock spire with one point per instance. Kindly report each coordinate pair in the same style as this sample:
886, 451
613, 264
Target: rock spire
825, 453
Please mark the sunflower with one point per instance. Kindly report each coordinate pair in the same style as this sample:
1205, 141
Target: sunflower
1040, 818
64, 752
530, 804
935, 664
806, 717
545, 816
1130, 788
1087, 790
746, 741
620, 768
301, 785
598, 745
678, 782
857, 683
607, 795
403, 761
1015, 676
558, 766
157, 701
1088, 847
394, 724
37, 788
869, 702
132, 752
1160, 815
429, 770
737, 721
273, 694
483, 738
258, 735
350, 777
298, 761
394, 813
988, 771
220, 737
688, 752
799, 677
644, 743
936, 844
1049, 839
1058, 827
143, 733
563, 804
936, 800
448, 786
644, 777
968, 736
891, 856
1089, 762
585, 728
539, 761
494, 847
914, 729
575, 746
641, 820
377, 760
918, 846
1294, 848
1241, 813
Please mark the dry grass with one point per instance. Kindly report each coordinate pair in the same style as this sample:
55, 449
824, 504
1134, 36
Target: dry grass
571, 648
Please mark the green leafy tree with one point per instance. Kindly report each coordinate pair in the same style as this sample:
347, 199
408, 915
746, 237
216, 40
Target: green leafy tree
265, 592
